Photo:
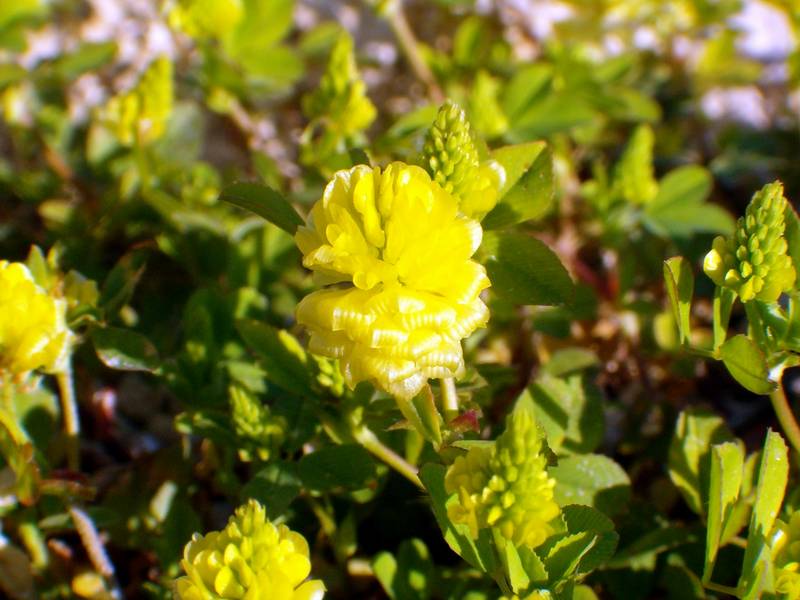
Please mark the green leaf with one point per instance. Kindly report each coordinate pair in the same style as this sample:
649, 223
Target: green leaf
679, 280
265, 202
792, 234
689, 459
348, 466
684, 219
591, 480
275, 486
479, 553
690, 183
523, 270
679, 209
284, 359
124, 350
87, 57
410, 575
517, 575
727, 466
569, 360
565, 556
570, 410
528, 190
584, 518
747, 363
773, 476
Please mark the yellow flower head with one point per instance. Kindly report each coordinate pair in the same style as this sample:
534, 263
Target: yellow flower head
206, 18
398, 241
251, 558
505, 485
787, 558
33, 328
140, 115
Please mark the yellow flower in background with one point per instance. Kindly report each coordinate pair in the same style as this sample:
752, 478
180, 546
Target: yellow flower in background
505, 485
400, 243
206, 18
252, 558
33, 328
139, 116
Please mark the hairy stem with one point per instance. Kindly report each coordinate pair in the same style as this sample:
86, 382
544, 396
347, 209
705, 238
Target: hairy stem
95, 549
410, 48
785, 416
69, 407
370, 441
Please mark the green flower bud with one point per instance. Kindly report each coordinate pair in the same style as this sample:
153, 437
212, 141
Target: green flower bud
754, 262
260, 433
341, 100
505, 485
450, 156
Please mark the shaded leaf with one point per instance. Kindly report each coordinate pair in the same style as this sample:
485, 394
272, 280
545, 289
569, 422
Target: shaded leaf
124, 350
679, 280
747, 363
592, 480
528, 189
265, 202
523, 270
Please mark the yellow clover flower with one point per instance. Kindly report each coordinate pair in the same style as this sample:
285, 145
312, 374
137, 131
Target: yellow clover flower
252, 559
33, 328
505, 485
398, 241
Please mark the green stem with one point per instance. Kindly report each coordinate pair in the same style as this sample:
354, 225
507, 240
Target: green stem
8, 394
370, 441
449, 398
69, 407
723, 589
410, 48
785, 416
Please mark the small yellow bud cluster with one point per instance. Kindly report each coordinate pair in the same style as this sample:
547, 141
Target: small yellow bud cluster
206, 18
33, 329
252, 558
260, 433
139, 116
505, 485
398, 241
754, 262
452, 160
341, 99
787, 558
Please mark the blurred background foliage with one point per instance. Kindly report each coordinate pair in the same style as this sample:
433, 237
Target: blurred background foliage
122, 121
